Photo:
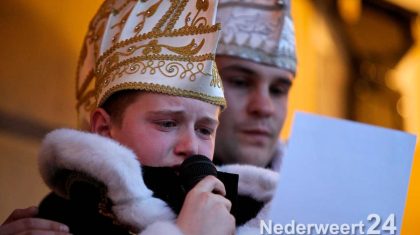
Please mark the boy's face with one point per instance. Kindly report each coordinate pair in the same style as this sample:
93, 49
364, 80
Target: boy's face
164, 130
257, 97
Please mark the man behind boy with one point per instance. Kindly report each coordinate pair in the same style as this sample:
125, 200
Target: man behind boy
256, 58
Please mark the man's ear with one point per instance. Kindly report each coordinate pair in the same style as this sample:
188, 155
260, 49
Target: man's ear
100, 122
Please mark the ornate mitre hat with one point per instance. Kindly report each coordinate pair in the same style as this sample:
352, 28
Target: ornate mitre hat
258, 30
164, 46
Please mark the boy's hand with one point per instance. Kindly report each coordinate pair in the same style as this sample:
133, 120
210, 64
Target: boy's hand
22, 221
206, 211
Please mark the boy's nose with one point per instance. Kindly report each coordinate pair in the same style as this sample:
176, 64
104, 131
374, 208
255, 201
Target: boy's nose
186, 145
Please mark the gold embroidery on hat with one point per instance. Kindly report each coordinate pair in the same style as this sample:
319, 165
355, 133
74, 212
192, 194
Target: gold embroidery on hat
158, 26
191, 49
120, 25
176, 15
180, 32
167, 68
216, 81
201, 5
88, 101
117, 67
144, 15
153, 47
164, 90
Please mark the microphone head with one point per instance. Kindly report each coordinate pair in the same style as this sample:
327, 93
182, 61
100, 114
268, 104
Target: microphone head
194, 169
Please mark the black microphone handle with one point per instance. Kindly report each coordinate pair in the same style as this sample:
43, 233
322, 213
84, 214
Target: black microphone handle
194, 169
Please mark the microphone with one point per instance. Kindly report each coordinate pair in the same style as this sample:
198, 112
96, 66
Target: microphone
194, 169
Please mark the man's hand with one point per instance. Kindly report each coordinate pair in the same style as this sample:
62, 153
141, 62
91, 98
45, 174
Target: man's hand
22, 221
206, 211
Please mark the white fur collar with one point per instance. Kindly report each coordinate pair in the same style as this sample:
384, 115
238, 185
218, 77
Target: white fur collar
120, 171
256, 182
117, 168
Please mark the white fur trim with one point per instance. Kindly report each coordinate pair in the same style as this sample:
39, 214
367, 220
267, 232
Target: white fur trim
256, 182
277, 159
109, 162
162, 228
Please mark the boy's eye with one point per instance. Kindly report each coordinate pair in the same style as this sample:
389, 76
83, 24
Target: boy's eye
167, 124
206, 132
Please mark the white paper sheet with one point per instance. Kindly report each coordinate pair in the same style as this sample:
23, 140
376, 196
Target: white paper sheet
340, 172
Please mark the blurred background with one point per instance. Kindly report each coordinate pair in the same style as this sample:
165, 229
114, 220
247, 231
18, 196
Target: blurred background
358, 60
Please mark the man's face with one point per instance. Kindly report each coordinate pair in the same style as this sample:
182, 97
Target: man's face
164, 130
257, 105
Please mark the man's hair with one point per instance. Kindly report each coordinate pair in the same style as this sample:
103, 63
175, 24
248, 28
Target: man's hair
117, 103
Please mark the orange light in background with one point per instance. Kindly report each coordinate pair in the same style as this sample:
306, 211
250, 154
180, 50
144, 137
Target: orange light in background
350, 10
306, 93
404, 78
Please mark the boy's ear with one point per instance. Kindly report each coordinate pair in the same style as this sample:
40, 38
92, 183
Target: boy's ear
100, 122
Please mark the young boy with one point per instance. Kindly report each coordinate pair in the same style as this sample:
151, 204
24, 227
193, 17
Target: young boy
147, 78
